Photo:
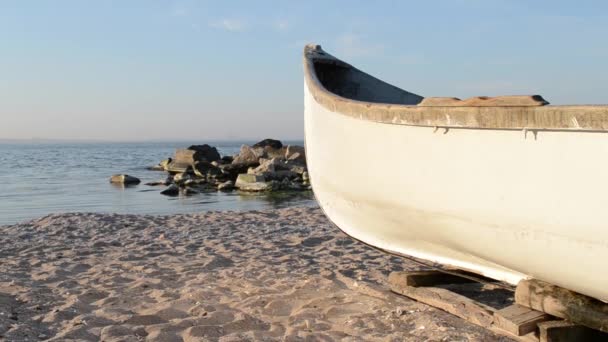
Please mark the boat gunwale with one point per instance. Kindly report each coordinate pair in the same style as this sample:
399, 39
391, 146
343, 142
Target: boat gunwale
582, 118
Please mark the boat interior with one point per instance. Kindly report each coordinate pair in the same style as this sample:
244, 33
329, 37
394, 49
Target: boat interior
349, 82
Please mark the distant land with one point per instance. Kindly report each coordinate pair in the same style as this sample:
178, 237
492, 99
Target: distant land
50, 141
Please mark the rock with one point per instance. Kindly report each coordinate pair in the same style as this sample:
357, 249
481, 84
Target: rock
296, 154
287, 184
201, 168
195, 153
247, 178
124, 179
270, 152
215, 172
305, 177
187, 191
299, 169
156, 168
233, 170
182, 177
171, 190
249, 155
297, 158
274, 185
275, 144
248, 182
175, 167
184, 156
280, 175
226, 186
273, 169
267, 165
165, 163
267, 148
162, 166
207, 170
156, 183
167, 181
227, 159
272, 148
205, 151
254, 187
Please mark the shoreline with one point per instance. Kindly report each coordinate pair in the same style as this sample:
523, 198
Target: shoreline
281, 274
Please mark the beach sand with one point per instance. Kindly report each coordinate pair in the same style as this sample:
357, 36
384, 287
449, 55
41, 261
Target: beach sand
277, 275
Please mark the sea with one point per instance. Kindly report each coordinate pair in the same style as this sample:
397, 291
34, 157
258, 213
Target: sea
39, 178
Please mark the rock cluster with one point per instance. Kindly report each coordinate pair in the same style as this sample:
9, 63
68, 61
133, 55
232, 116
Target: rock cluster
266, 166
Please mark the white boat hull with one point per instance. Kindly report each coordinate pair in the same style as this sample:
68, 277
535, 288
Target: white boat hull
502, 203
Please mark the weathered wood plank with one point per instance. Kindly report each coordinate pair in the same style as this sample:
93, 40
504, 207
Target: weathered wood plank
484, 101
562, 303
519, 320
443, 299
565, 331
426, 278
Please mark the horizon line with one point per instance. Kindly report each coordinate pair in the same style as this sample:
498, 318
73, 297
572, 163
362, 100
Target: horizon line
178, 140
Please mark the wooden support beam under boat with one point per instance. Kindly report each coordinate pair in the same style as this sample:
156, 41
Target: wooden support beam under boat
443, 299
446, 300
559, 302
562, 331
427, 278
519, 320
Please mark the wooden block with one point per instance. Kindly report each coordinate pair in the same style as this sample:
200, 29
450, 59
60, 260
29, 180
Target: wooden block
449, 301
519, 320
529, 337
565, 331
425, 278
562, 303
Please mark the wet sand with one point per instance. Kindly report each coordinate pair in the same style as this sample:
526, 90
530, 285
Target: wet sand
277, 275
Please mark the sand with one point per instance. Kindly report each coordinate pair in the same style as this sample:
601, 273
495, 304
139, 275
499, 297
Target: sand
277, 275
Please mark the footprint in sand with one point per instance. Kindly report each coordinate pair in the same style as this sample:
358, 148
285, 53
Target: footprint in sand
218, 261
122, 333
278, 308
315, 241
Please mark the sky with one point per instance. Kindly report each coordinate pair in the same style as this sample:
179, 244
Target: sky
206, 70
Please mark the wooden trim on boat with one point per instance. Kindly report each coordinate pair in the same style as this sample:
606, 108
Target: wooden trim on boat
503, 113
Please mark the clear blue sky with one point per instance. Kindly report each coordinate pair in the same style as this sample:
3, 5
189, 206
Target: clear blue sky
137, 70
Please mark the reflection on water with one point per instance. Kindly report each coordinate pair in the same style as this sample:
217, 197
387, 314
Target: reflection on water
121, 186
38, 179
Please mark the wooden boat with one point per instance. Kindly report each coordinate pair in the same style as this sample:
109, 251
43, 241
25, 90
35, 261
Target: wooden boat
508, 187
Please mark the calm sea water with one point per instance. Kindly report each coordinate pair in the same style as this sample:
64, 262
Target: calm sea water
38, 179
